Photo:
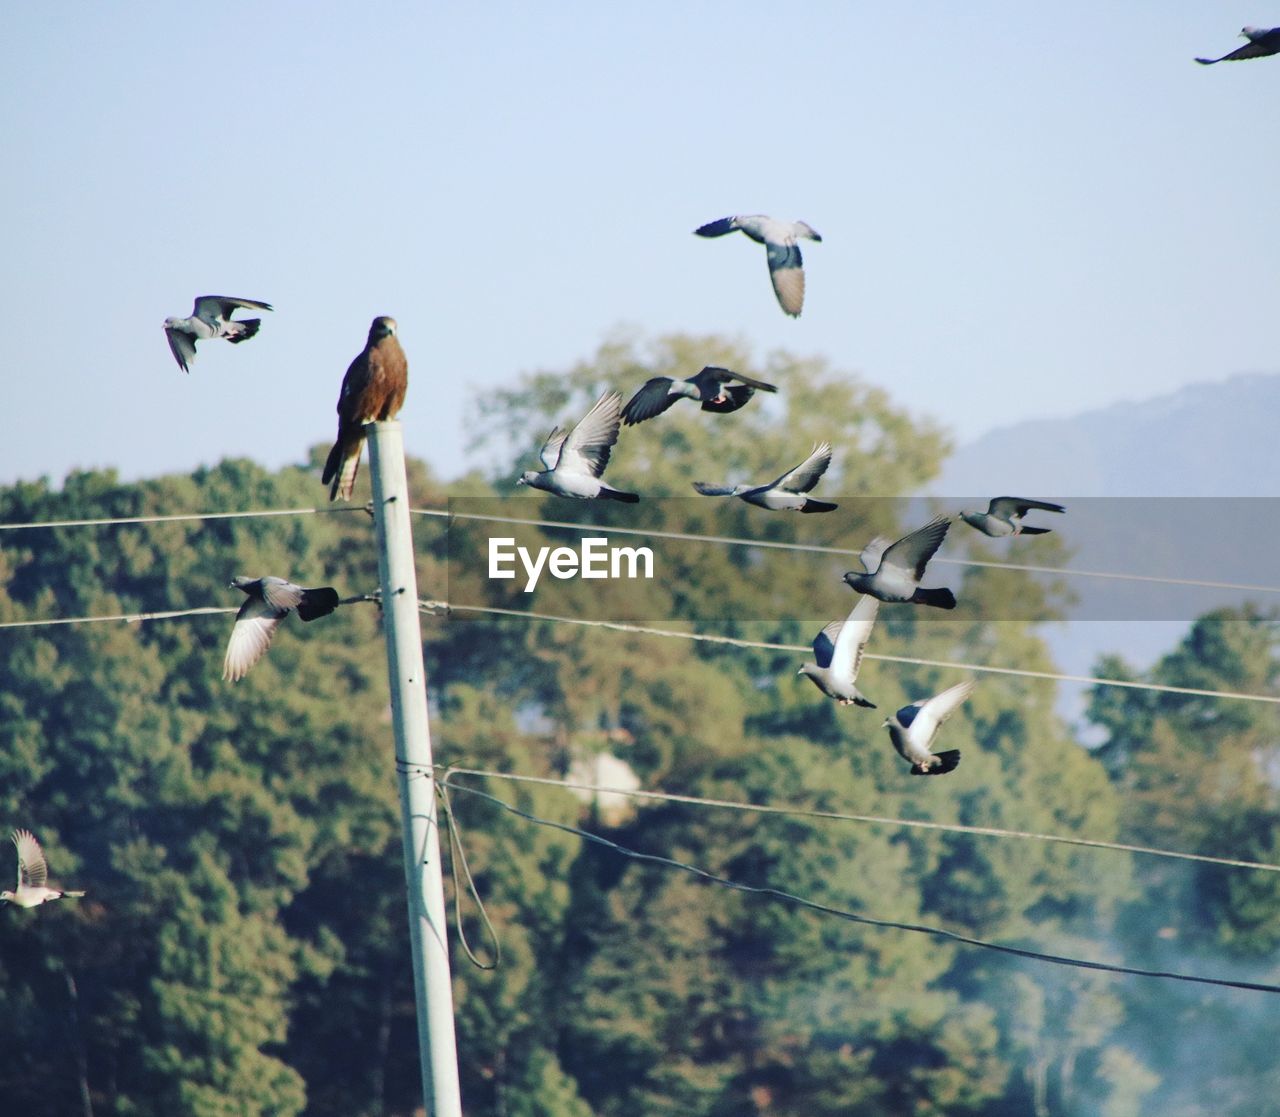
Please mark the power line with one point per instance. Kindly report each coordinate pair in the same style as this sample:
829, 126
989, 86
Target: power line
181, 517
814, 548
130, 618
853, 917
840, 816
738, 642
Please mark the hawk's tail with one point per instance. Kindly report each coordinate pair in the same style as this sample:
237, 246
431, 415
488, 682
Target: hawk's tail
341, 467
247, 328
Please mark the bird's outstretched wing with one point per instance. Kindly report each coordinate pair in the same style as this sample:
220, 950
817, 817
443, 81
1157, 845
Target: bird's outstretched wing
824, 644
913, 552
872, 554
653, 398
852, 638
927, 717
256, 624
222, 306
721, 375
32, 870
550, 452
586, 450
183, 347
708, 489
786, 269
803, 477
717, 228
1265, 44
1003, 506
281, 595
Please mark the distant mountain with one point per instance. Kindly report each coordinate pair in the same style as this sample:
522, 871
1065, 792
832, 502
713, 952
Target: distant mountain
1218, 439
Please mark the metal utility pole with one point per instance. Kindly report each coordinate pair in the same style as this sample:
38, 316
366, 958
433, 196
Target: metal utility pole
433, 992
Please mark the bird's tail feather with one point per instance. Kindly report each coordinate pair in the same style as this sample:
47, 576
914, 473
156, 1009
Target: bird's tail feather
73, 895
812, 505
619, 495
940, 599
317, 603
248, 327
341, 467
949, 761
1035, 531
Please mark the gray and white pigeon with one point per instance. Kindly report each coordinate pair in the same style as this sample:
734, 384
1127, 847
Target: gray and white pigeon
786, 267
914, 728
893, 572
1262, 42
1004, 516
210, 317
786, 493
269, 601
711, 387
575, 459
33, 875
838, 649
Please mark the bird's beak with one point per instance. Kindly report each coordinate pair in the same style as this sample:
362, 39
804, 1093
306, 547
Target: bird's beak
801, 671
519, 480
884, 724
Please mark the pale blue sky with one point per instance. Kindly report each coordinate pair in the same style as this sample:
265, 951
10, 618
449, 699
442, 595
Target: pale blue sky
1026, 211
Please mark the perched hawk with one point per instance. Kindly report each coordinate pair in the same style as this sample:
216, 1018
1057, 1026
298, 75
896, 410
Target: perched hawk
372, 391
210, 317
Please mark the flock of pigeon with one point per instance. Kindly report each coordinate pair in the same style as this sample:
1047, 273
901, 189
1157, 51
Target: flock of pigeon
575, 460
373, 390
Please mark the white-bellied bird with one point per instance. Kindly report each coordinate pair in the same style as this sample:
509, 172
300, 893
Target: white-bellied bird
914, 728
785, 493
575, 459
33, 875
1004, 516
786, 266
269, 600
210, 318
838, 650
893, 572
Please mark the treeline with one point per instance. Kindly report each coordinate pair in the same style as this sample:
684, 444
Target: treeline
243, 947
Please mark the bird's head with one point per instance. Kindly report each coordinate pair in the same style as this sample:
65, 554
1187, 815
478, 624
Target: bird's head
853, 578
527, 477
886, 723
7, 895
382, 327
807, 669
1250, 32
240, 582
171, 323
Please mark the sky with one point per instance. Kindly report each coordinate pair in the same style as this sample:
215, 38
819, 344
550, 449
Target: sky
1025, 212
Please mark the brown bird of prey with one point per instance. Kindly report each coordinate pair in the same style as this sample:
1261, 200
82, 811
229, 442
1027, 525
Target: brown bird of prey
372, 391
1262, 42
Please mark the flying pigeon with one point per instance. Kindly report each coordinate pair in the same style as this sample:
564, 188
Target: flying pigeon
914, 728
710, 387
1262, 42
1004, 516
787, 492
838, 649
210, 317
575, 459
32, 890
269, 601
779, 239
372, 391
893, 573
